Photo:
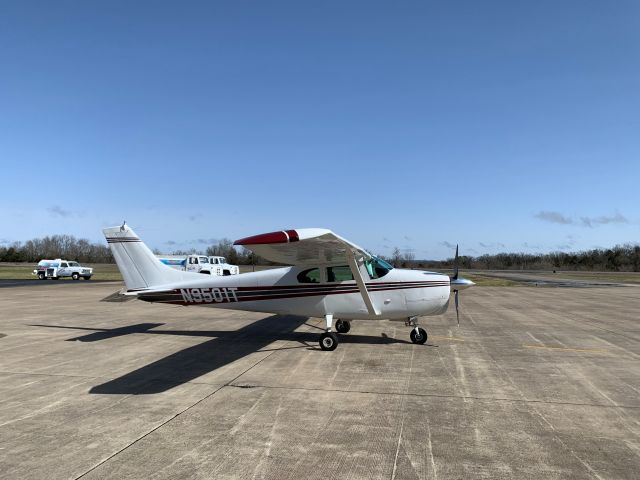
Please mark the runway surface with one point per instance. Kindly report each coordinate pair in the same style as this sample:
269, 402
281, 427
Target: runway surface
562, 279
33, 282
537, 383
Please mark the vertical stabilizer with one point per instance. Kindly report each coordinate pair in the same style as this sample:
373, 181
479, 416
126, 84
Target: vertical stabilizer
139, 267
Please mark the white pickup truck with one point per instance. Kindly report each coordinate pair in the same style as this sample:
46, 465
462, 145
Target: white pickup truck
227, 269
199, 264
59, 268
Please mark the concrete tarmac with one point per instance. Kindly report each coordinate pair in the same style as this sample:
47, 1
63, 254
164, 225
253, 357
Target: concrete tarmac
547, 279
535, 384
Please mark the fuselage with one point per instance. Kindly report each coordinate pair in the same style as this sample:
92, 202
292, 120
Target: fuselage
316, 291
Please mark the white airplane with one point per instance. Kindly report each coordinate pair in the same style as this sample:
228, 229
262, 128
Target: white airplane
330, 277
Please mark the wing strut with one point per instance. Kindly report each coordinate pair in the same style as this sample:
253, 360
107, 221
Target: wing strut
357, 275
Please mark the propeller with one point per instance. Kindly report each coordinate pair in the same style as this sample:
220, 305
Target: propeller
456, 270
457, 283
456, 265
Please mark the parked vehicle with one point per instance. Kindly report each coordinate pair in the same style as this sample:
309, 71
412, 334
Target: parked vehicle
199, 264
227, 269
59, 268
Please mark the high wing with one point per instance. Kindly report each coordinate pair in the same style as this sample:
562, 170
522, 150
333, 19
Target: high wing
312, 246
303, 246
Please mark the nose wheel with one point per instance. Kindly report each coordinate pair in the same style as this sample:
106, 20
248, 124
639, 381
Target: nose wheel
418, 334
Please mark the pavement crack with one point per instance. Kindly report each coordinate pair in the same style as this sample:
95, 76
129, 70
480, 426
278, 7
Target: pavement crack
402, 410
461, 397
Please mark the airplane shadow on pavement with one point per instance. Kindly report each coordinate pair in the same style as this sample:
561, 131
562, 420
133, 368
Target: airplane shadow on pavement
224, 348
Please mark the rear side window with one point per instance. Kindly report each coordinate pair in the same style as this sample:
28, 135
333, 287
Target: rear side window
341, 273
64, 265
309, 276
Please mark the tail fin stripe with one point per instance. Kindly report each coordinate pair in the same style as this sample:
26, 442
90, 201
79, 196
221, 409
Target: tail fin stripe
123, 239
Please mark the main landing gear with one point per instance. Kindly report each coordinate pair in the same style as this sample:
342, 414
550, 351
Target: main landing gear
329, 340
418, 335
343, 326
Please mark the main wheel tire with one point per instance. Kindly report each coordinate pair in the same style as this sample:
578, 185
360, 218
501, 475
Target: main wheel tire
419, 337
328, 341
343, 326
75, 276
41, 276
87, 277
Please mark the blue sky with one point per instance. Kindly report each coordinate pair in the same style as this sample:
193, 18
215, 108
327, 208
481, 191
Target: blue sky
497, 125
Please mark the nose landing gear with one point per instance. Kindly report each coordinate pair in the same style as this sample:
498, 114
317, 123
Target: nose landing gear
418, 335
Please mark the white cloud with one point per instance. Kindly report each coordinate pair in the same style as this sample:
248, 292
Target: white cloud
58, 211
553, 217
590, 222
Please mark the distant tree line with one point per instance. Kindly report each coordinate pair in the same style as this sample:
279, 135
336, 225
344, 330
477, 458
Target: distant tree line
621, 258
400, 259
67, 247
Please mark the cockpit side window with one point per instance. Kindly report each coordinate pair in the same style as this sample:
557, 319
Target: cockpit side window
377, 268
312, 275
340, 273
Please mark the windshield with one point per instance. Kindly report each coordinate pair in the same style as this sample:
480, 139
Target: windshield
377, 268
